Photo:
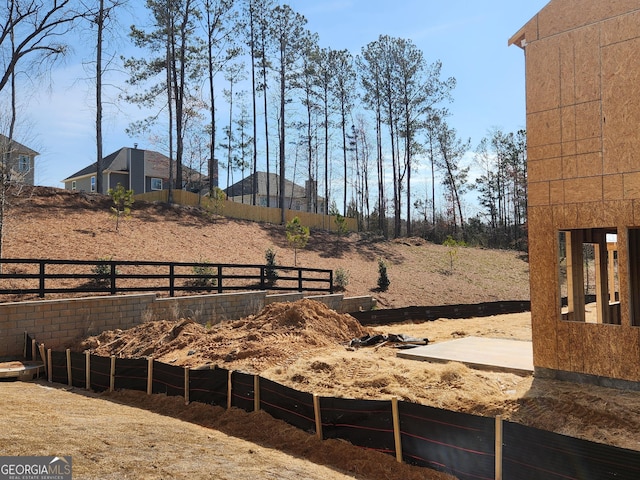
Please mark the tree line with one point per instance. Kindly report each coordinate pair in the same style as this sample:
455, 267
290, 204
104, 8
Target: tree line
244, 86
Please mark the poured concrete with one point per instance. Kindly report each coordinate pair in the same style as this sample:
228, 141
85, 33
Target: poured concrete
21, 370
478, 352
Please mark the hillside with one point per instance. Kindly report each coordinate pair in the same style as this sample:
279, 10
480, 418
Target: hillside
54, 223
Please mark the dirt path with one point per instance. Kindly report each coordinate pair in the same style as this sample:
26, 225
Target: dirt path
159, 437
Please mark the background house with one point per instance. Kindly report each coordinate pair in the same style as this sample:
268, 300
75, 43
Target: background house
139, 170
296, 197
19, 160
583, 141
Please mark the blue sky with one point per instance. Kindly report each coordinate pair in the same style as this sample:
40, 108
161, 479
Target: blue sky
469, 37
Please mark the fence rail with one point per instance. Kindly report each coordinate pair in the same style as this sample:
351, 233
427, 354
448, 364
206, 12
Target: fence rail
46, 276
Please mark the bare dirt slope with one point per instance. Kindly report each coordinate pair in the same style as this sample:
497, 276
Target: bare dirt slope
54, 223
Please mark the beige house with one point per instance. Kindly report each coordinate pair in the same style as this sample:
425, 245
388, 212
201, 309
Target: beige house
583, 114
19, 161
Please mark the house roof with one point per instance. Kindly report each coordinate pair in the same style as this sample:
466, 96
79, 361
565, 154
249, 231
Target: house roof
563, 15
245, 187
156, 164
17, 147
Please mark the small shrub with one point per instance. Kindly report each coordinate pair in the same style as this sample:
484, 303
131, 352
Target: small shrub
270, 272
383, 279
297, 236
102, 271
341, 279
204, 277
122, 202
452, 244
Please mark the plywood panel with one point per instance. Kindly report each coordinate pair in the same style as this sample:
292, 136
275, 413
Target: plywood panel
621, 106
556, 192
543, 75
589, 145
564, 346
619, 29
560, 16
568, 115
587, 64
567, 70
636, 213
583, 190
631, 185
538, 194
543, 152
588, 120
558, 221
613, 187
543, 128
577, 349
591, 215
589, 164
570, 166
571, 216
543, 170
627, 343
598, 353
618, 212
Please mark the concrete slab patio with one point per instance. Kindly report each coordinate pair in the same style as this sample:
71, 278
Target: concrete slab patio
478, 352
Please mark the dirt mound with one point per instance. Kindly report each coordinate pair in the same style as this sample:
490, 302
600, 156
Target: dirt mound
278, 335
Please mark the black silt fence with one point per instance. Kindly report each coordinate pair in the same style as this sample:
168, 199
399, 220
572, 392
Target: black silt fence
365, 423
100, 373
209, 386
531, 454
287, 404
78, 369
58, 367
168, 379
460, 444
242, 391
131, 373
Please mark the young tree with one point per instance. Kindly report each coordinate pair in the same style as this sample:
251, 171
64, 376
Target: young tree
297, 236
122, 201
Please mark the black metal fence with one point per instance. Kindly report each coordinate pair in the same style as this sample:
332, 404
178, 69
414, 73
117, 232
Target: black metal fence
46, 276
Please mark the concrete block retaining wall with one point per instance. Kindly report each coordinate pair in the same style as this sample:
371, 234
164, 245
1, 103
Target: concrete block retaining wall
56, 323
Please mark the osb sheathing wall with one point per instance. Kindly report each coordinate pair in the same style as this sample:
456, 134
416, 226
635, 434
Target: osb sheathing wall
583, 134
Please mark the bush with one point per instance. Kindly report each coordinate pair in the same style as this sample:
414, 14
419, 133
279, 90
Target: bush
204, 277
102, 271
341, 279
270, 272
383, 279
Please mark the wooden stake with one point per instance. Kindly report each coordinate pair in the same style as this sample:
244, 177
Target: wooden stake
47, 364
499, 447
69, 372
229, 391
150, 376
256, 393
112, 376
396, 428
186, 385
316, 412
87, 366
34, 350
24, 350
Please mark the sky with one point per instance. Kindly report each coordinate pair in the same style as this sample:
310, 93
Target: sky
469, 37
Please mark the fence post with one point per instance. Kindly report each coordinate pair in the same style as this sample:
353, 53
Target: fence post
219, 278
172, 280
317, 415
299, 279
69, 374
186, 385
262, 277
499, 447
331, 282
47, 363
149, 375
396, 428
113, 278
87, 372
112, 375
42, 268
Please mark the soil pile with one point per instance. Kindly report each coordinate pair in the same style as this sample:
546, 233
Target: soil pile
278, 335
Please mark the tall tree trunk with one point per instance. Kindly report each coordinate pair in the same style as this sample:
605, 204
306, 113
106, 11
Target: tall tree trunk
282, 132
254, 180
99, 167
